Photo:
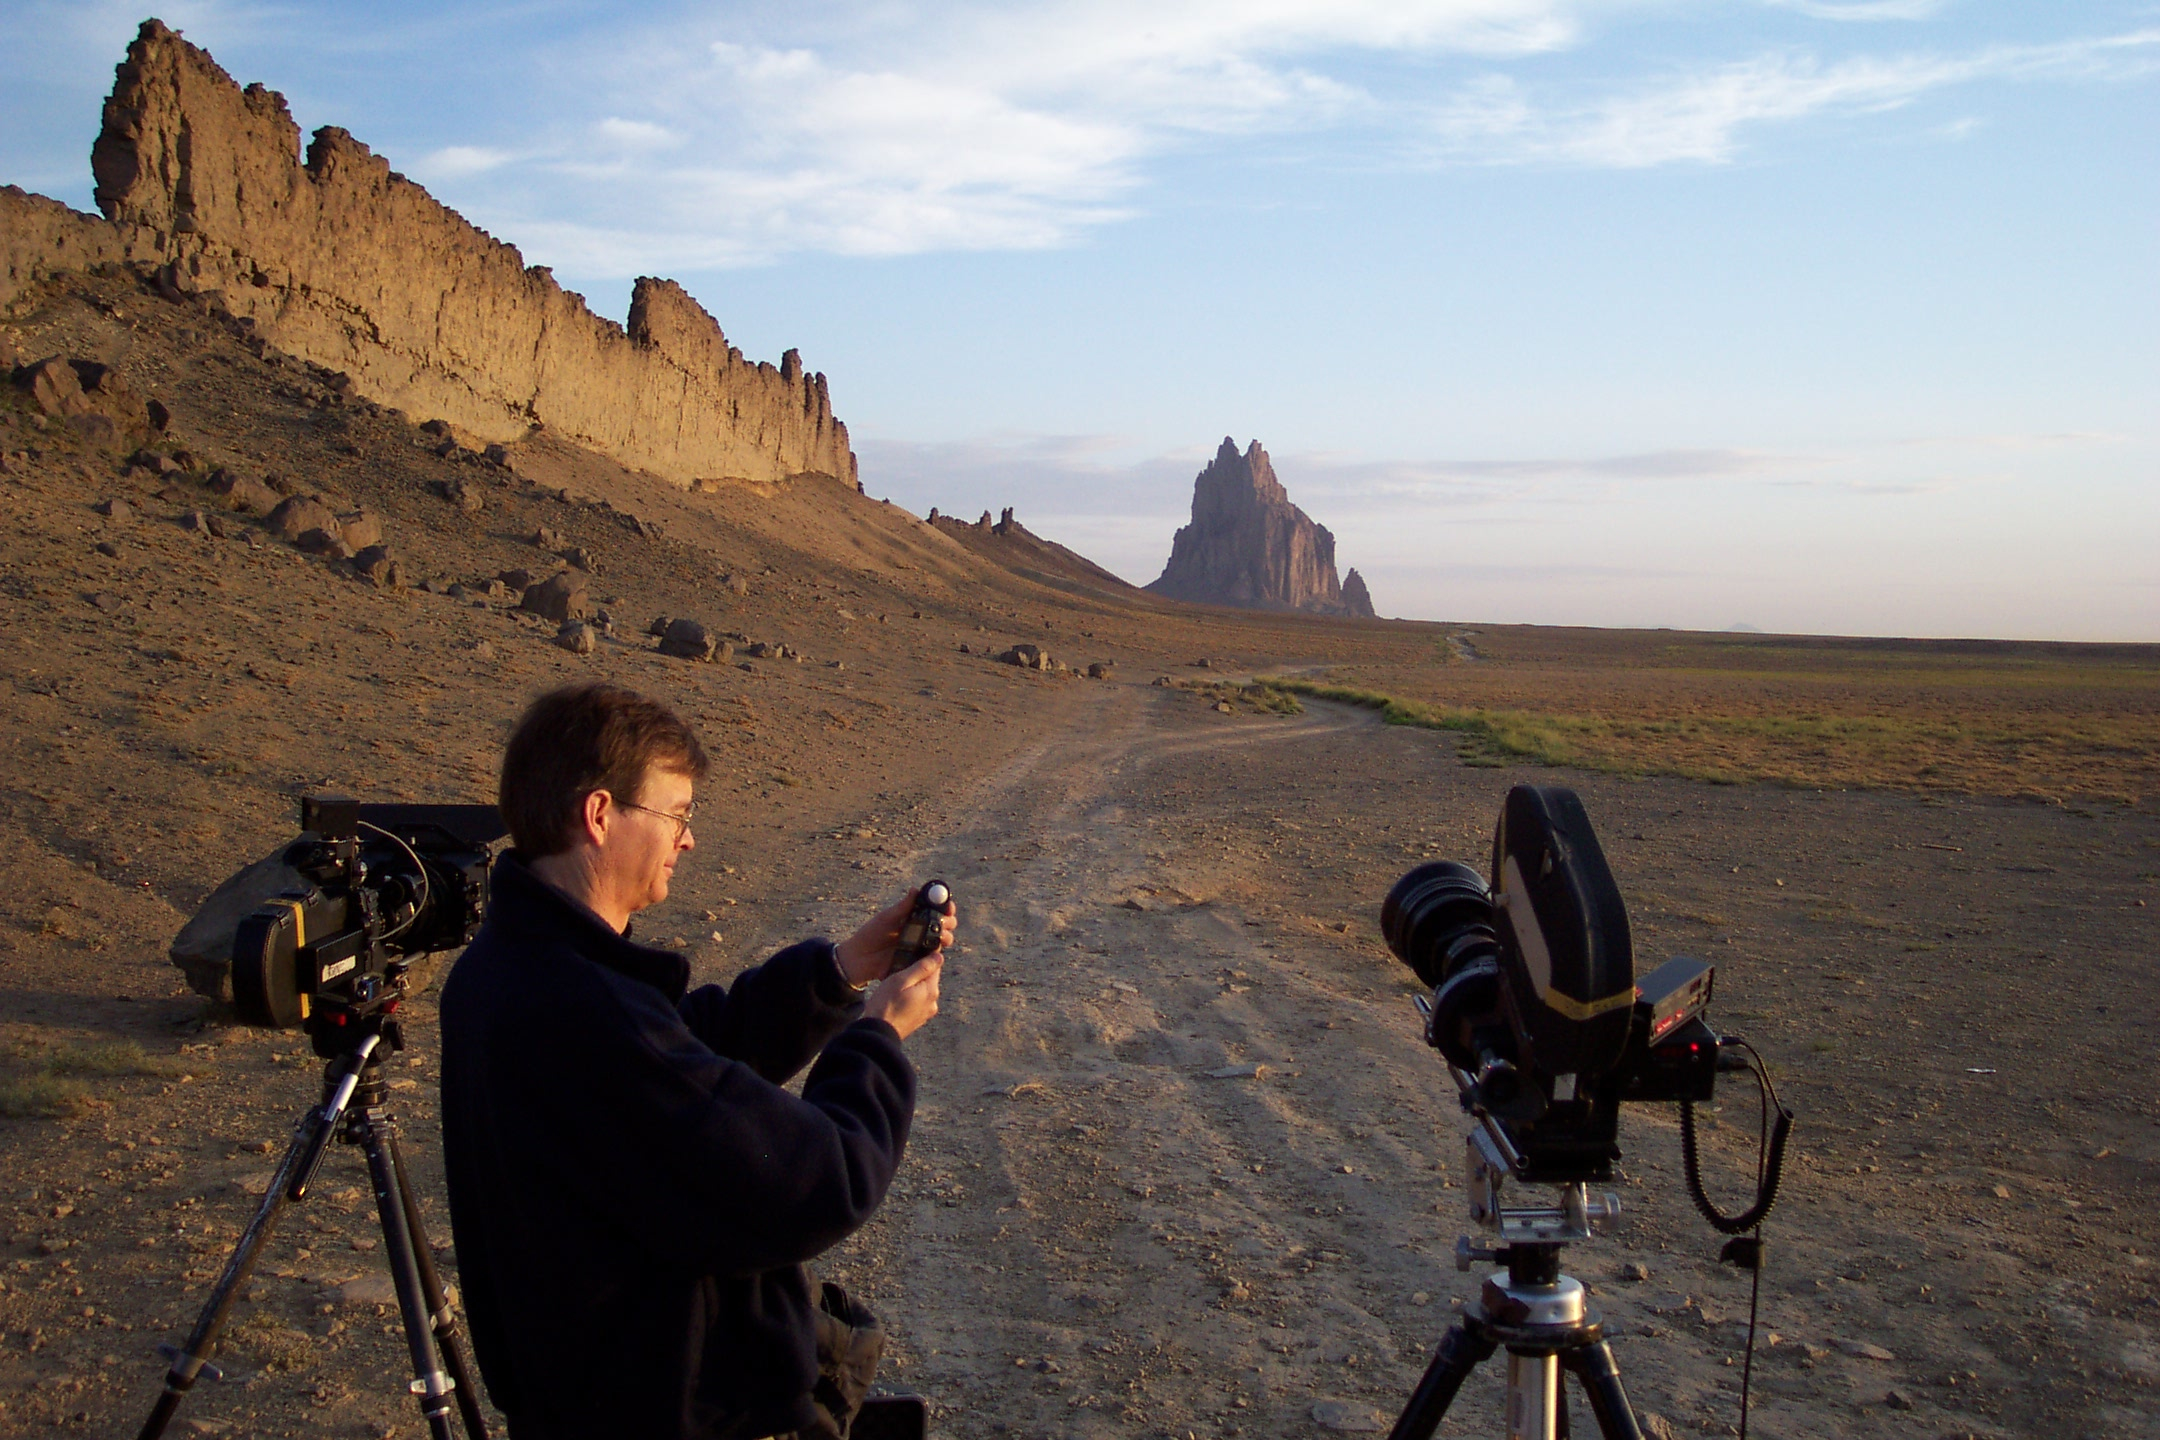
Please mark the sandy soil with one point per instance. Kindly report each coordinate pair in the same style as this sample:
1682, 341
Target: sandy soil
1183, 1167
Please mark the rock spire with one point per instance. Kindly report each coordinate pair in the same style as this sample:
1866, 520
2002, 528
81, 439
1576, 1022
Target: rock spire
1248, 545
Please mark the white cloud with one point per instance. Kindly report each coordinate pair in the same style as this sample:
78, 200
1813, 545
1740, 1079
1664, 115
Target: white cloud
1865, 9
1702, 116
455, 162
971, 127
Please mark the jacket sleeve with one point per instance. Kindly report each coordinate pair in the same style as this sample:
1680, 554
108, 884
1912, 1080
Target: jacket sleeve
704, 1160
777, 1015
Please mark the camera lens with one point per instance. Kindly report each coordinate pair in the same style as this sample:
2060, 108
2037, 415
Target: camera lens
1437, 919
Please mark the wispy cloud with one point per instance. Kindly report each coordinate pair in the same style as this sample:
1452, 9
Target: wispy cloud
1702, 116
707, 141
1864, 9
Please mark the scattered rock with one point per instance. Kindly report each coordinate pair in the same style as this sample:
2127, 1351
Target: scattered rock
516, 579
327, 543
582, 559
108, 549
1634, 1269
1203, 664
98, 429
1162, 680
116, 510
544, 539
1657, 1427
159, 417
578, 637
366, 1290
773, 650
1027, 657
1897, 1400
244, 494
1099, 670
157, 462
360, 530
203, 522
1347, 1418
461, 493
1862, 1350
1249, 1071
54, 387
688, 640
735, 584
376, 565
297, 515
496, 455
559, 597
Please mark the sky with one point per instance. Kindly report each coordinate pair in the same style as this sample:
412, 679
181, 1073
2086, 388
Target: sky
1821, 316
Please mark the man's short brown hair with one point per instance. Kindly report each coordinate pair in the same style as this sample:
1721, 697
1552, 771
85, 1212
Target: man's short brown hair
581, 738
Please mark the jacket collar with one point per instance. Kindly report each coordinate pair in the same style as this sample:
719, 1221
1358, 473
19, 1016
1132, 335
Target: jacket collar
521, 901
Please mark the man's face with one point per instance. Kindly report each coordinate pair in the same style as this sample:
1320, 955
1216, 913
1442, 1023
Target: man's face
643, 846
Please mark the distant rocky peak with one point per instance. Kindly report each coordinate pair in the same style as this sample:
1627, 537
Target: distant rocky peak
1248, 545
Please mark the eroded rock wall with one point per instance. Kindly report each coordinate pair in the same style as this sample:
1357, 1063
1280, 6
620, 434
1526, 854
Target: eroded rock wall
1248, 545
336, 258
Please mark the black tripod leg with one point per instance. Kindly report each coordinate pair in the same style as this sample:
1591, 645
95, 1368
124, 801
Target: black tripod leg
440, 1316
193, 1358
1459, 1353
429, 1381
1593, 1365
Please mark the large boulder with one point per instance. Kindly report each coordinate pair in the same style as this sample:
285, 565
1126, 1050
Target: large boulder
54, 386
688, 640
559, 597
298, 515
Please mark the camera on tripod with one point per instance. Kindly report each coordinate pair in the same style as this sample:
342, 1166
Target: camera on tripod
385, 885
1545, 1030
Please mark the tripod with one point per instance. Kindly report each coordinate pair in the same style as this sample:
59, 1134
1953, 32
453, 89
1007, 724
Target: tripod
352, 1110
1537, 1313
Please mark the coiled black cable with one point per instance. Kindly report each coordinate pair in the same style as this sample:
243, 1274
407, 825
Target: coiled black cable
1769, 1156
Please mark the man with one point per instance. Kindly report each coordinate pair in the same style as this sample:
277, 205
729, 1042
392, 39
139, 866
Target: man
631, 1190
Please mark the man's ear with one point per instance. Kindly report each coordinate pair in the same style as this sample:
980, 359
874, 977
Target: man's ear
597, 815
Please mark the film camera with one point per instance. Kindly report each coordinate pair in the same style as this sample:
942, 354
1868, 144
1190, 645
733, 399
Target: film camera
1534, 991
384, 884
1546, 1032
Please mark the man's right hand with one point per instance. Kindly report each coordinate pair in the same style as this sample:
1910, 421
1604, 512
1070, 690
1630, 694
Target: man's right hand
908, 998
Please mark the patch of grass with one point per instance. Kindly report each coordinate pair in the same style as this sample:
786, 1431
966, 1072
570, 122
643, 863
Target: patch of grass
39, 1097
111, 1057
1488, 735
48, 1084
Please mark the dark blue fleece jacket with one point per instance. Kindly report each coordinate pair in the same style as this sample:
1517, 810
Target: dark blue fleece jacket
631, 1191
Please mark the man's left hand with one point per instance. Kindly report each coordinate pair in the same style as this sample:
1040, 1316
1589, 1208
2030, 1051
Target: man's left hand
866, 957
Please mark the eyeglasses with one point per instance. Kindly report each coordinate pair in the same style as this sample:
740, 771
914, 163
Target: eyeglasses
682, 821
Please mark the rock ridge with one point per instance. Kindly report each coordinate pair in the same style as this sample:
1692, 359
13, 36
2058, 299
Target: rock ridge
341, 261
1248, 546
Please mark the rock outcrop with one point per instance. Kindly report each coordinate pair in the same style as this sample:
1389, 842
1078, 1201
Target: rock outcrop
343, 262
1356, 599
1248, 545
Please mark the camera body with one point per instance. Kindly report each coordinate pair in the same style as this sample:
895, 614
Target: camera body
1534, 992
385, 884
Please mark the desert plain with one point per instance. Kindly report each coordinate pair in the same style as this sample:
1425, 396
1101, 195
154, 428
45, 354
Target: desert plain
1183, 1168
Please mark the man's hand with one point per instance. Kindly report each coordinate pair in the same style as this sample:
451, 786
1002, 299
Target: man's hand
906, 1001
867, 955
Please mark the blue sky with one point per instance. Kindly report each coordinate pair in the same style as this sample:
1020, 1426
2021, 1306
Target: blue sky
1817, 315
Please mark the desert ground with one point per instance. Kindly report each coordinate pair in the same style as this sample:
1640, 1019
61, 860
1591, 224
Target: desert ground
1183, 1167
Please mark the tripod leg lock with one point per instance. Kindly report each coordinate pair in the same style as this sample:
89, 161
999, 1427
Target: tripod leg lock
186, 1367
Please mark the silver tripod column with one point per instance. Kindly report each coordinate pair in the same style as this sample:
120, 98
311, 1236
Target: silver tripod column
1534, 1317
